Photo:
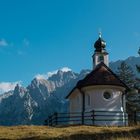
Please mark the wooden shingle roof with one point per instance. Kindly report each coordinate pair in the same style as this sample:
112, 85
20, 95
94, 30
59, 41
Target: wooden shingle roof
101, 75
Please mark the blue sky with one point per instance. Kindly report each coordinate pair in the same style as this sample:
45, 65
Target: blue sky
38, 36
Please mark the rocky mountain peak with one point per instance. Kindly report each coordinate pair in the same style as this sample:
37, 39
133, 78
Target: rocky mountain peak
37, 81
19, 90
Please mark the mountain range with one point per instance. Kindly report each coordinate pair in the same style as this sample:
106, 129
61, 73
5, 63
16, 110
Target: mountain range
44, 96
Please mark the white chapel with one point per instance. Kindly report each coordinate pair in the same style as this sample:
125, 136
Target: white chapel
100, 91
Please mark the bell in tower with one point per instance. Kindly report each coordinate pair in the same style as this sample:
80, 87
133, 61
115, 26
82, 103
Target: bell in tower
100, 53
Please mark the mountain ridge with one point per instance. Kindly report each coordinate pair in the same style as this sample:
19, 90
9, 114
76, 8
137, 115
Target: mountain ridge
42, 97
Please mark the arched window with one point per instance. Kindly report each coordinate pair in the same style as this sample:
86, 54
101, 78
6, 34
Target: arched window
88, 97
88, 102
78, 99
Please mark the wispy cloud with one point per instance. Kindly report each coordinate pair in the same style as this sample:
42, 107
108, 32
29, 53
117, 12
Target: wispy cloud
18, 48
41, 76
7, 86
3, 43
23, 48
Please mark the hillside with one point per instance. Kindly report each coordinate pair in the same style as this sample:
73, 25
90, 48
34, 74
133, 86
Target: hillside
70, 133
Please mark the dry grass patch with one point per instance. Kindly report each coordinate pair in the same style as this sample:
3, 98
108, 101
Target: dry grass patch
70, 133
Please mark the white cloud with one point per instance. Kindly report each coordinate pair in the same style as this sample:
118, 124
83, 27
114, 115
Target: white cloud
3, 43
65, 69
7, 86
49, 74
41, 76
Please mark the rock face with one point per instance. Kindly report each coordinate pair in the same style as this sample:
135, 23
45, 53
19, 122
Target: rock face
42, 97
17, 108
33, 104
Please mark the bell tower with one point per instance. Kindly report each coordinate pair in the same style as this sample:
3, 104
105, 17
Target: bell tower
100, 53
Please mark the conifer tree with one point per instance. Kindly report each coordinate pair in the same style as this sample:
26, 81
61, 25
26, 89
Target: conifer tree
138, 70
138, 66
126, 74
133, 100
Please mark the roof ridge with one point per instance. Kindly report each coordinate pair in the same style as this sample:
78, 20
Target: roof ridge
97, 77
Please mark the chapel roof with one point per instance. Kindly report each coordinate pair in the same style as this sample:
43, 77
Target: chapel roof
101, 75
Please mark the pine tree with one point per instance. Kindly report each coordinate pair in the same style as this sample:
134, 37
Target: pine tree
138, 66
134, 96
126, 74
138, 70
133, 100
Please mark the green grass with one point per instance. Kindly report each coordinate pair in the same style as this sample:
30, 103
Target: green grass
70, 133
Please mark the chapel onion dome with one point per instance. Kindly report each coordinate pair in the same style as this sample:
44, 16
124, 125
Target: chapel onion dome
100, 44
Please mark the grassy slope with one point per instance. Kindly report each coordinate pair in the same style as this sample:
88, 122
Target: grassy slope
70, 133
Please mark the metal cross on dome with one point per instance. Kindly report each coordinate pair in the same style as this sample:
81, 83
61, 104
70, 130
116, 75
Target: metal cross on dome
100, 34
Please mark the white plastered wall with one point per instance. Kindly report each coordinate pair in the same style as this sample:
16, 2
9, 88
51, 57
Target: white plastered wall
75, 101
98, 102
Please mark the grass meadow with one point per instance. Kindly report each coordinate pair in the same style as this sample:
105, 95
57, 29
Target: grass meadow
69, 133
